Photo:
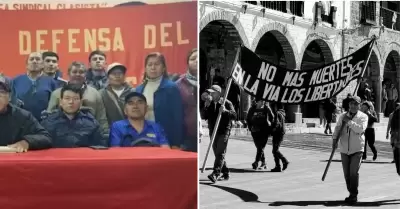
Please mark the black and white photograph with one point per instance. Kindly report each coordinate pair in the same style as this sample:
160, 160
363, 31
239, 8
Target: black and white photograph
299, 104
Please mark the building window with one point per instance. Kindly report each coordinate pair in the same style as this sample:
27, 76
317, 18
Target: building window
368, 12
389, 14
275, 5
297, 8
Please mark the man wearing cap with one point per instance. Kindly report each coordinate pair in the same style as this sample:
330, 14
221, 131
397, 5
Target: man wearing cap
114, 94
211, 110
72, 126
19, 129
351, 144
91, 97
135, 129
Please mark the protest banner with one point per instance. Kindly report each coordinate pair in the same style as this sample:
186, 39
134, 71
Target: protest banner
273, 83
125, 34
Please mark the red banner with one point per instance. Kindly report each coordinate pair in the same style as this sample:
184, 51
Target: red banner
125, 34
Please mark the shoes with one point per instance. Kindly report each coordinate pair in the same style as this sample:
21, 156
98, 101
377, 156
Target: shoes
213, 177
263, 166
375, 156
285, 165
276, 169
351, 199
255, 165
225, 177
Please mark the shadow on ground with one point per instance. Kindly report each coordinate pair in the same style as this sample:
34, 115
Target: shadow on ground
371, 162
336, 203
246, 196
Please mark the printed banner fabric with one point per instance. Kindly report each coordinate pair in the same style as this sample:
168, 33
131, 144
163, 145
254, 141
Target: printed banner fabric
125, 34
273, 83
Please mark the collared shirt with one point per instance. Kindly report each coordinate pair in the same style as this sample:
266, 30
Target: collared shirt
123, 134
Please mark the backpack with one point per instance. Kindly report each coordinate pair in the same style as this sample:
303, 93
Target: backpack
279, 122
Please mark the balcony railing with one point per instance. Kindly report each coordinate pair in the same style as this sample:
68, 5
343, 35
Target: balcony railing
368, 12
390, 18
292, 7
252, 2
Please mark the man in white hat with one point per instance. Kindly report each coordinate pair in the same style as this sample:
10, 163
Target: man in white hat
211, 111
114, 93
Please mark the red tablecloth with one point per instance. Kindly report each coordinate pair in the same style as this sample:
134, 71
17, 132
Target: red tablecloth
95, 179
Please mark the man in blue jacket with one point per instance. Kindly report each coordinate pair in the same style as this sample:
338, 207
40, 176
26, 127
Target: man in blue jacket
135, 129
32, 88
71, 126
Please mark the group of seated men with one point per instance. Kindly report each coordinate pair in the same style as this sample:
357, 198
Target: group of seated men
77, 117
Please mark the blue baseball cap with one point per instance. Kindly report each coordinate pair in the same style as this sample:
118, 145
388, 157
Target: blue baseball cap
135, 94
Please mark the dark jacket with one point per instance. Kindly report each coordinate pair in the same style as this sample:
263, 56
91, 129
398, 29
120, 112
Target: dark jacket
346, 103
18, 124
168, 110
34, 95
97, 82
372, 118
260, 120
189, 98
279, 122
81, 131
225, 124
114, 105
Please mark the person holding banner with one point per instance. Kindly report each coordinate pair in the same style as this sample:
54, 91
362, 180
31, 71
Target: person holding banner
351, 144
259, 121
213, 107
368, 109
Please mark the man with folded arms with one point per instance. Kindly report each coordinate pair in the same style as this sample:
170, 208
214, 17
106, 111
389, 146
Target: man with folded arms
351, 144
20, 131
72, 126
135, 130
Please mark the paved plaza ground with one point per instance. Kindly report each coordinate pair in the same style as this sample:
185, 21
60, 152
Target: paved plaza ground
300, 186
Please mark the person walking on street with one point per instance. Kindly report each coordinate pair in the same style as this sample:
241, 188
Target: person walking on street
351, 145
368, 109
393, 128
384, 100
277, 137
259, 121
330, 109
211, 110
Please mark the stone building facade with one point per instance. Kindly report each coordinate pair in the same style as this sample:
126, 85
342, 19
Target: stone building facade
301, 35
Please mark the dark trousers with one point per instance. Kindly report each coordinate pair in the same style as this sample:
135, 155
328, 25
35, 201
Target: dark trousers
328, 123
219, 148
277, 139
351, 165
396, 155
370, 140
260, 140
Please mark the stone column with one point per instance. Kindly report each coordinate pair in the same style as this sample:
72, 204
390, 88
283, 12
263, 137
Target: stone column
378, 96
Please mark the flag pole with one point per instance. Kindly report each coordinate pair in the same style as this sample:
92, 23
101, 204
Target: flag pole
222, 105
354, 93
